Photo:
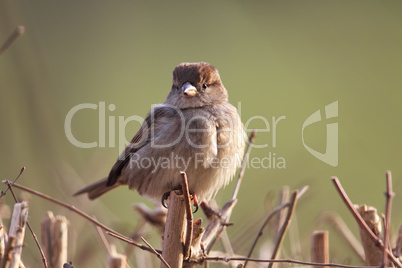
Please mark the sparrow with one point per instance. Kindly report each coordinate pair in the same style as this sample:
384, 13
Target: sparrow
196, 130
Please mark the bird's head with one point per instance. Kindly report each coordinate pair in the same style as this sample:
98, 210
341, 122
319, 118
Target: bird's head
196, 85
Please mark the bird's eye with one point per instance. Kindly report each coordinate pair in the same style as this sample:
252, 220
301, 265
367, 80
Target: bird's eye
177, 88
204, 86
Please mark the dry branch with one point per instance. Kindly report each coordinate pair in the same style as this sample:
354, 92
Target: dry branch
251, 139
44, 260
3, 239
82, 214
277, 210
265, 223
5, 262
336, 221
388, 197
320, 247
230, 259
374, 255
218, 221
17, 230
116, 260
155, 217
175, 229
19, 31
54, 239
189, 216
292, 204
398, 245
362, 225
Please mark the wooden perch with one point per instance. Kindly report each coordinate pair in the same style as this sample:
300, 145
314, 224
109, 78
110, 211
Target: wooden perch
320, 248
172, 250
54, 239
16, 233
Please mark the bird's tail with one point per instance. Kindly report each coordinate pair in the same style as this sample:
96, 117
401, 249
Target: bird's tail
96, 189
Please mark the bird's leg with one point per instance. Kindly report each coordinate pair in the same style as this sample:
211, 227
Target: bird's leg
194, 198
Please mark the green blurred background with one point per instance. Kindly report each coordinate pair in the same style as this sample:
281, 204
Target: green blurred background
276, 58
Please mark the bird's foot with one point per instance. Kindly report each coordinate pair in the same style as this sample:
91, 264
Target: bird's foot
166, 195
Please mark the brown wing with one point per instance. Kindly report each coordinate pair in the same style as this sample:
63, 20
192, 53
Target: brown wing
140, 139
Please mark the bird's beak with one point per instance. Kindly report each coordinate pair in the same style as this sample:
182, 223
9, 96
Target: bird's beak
188, 90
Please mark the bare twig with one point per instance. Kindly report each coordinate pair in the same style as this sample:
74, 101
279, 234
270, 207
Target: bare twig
282, 199
79, 212
103, 239
44, 260
16, 178
244, 163
388, 196
189, 216
229, 259
19, 31
155, 252
268, 218
361, 222
260, 231
285, 225
216, 225
131, 241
